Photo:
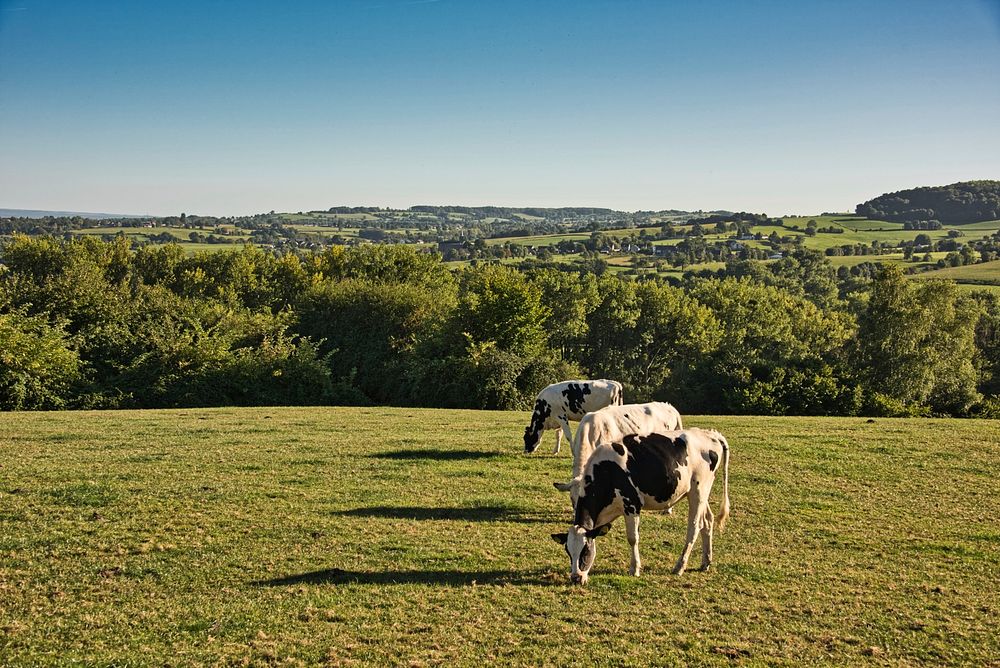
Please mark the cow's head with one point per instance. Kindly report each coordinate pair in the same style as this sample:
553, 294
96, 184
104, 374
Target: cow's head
533, 432
581, 548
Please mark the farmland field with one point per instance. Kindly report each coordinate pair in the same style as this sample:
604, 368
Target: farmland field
417, 537
984, 272
180, 234
887, 258
544, 239
985, 226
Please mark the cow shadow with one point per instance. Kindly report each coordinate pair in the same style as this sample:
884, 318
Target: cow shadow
489, 513
434, 455
338, 576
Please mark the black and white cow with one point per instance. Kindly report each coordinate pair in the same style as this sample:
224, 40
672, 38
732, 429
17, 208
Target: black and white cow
569, 400
612, 424
647, 472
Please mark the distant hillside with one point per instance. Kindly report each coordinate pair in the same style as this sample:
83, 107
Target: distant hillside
955, 204
507, 212
30, 213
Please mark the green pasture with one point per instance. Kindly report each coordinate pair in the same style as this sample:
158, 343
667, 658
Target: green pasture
333, 217
298, 217
539, 239
181, 234
393, 536
176, 232
325, 230
985, 226
886, 258
984, 272
853, 223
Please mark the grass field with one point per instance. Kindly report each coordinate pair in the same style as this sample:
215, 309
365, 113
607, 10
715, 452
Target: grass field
421, 537
325, 230
180, 234
985, 226
984, 272
887, 258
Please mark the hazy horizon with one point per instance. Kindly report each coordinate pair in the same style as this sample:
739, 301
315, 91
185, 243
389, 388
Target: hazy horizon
222, 109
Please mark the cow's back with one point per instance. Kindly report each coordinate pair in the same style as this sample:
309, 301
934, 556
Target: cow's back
614, 423
579, 397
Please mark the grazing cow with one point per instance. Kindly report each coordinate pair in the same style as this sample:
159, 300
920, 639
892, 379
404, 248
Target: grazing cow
612, 424
647, 472
559, 403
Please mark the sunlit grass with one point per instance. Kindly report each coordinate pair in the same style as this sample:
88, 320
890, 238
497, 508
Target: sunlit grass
402, 536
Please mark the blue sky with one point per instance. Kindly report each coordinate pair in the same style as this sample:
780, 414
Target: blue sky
225, 107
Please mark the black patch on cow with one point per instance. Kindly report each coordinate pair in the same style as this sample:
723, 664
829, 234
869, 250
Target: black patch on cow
582, 562
712, 458
575, 394
537, 424
599, 493
619, 448
653, 461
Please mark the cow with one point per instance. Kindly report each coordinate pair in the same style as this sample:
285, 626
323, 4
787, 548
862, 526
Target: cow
613, 424
651, 472
559, 403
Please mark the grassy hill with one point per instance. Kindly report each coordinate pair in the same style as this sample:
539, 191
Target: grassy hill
415, 537
984, 273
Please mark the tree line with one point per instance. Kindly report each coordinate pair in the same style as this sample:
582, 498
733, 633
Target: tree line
91, 324
929, 206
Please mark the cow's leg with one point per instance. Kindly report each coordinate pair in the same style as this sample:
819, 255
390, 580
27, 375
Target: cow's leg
632, 533
563, 429
695, 510
707, 520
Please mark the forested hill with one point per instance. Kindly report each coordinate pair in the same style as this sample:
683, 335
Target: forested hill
965, 202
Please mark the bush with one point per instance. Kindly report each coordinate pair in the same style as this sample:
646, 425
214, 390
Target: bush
988, 408
38, 369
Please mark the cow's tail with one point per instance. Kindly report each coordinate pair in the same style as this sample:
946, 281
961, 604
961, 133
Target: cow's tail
619, 394
724, 511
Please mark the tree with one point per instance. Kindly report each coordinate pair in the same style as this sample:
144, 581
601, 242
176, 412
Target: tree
644, 334
366, 329
498, 305
987, 338
38, 368
778, 353
569, 298
915, 345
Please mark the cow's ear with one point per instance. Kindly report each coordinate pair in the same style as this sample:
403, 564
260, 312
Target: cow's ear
599, 531
560, 538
